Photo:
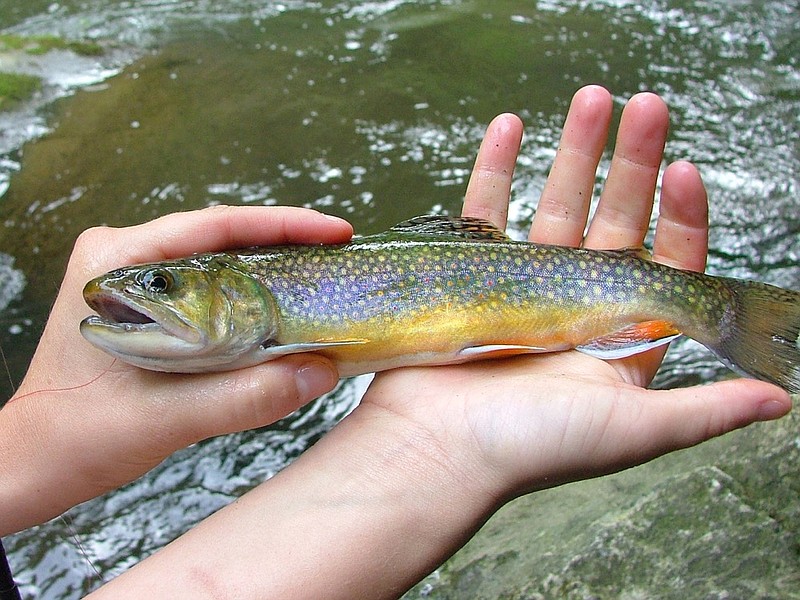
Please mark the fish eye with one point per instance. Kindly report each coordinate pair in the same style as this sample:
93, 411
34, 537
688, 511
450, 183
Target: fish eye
156, 281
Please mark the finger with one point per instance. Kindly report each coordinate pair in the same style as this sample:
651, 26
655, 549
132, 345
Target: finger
640, 425
564, 205
225, 227
679, 418
129, 438
211, 229
179, 410
623, 212
489, 186
681, 241
681, 238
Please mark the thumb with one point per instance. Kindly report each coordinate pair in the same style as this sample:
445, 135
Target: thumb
195, 407
669, 420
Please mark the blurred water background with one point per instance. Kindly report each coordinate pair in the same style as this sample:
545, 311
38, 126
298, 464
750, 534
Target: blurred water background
368, 110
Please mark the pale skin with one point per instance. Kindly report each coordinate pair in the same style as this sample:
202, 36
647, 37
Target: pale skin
429, 454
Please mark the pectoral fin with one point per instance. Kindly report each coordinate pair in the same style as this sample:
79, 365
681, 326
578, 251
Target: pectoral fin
631, 340
271, 349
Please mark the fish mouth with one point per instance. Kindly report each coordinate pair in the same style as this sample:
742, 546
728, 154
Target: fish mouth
129, 314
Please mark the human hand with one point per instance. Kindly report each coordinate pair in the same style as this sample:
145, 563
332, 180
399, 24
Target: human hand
83, 423
531, 422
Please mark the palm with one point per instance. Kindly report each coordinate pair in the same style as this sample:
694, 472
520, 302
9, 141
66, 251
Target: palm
555, 409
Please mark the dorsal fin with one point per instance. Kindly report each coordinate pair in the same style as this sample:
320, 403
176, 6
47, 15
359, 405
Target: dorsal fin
629, 251
462, 228
637, 252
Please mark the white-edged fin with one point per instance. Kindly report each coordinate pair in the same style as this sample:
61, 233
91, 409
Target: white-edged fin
497, 351
631, 340
268, 352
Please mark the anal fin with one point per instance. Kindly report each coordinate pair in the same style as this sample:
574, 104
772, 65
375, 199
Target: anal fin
631, 340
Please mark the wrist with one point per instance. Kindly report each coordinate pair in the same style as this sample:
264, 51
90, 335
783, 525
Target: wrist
369, 510
21, 488
407, 465
388, 493
41, 471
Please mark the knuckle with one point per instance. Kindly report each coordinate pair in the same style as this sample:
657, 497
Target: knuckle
90, 238
263, 396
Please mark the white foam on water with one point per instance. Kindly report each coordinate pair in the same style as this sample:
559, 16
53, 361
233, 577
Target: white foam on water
12, 281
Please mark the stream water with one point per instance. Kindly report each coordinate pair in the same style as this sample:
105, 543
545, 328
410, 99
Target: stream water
368, 110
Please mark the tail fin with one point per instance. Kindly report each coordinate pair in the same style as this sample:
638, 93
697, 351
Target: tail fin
760, 336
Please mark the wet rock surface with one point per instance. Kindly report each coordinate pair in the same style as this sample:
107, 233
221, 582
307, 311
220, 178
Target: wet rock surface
716, 521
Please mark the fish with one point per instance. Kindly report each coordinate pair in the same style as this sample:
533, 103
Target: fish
433, 290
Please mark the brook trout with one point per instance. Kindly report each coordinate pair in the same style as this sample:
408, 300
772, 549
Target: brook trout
432, 291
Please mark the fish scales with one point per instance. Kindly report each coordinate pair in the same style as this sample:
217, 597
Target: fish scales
376, 288
433, 290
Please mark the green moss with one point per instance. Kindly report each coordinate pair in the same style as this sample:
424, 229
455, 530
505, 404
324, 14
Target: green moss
42, 44
85, 48
15, 88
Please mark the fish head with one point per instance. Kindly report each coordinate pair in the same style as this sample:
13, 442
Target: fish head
195, 314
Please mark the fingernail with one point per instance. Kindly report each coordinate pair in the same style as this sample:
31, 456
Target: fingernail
335, 219
314, 379
772, 409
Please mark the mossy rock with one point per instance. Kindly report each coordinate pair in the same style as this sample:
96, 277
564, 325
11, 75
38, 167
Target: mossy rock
16, 87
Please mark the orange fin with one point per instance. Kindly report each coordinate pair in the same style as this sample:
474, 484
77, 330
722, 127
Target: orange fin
631, 340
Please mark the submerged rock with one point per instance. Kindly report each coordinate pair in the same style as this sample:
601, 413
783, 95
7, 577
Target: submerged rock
721, 520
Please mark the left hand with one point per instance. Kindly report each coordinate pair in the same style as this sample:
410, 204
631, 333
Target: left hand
82, 423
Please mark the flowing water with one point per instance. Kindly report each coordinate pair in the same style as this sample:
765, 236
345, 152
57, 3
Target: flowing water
372, 111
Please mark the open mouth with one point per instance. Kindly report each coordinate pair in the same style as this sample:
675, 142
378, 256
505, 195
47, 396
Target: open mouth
132, 315
118, 312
